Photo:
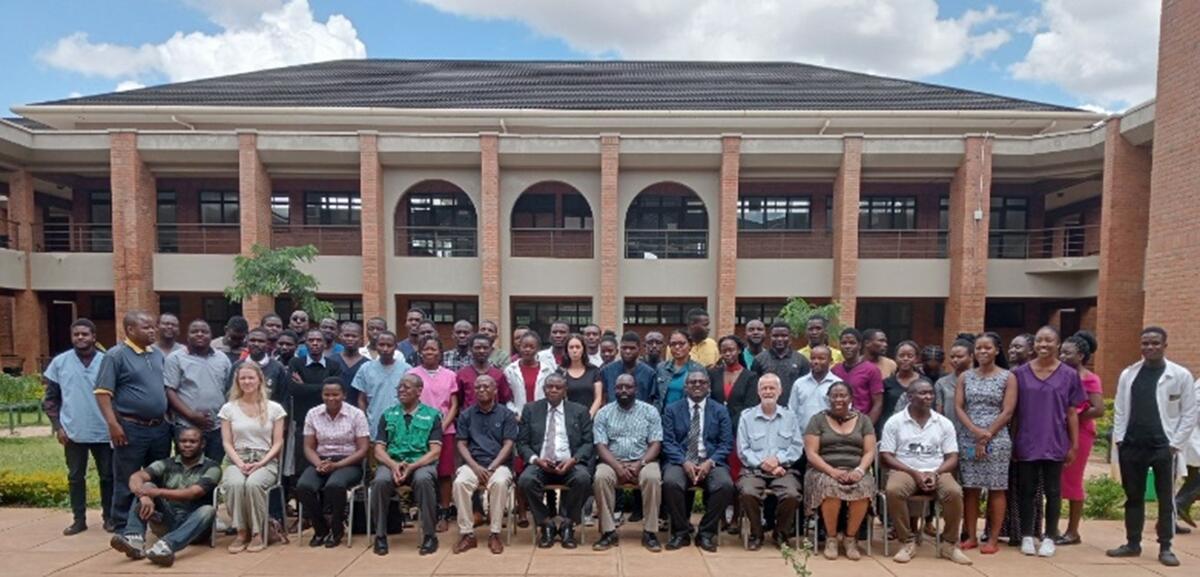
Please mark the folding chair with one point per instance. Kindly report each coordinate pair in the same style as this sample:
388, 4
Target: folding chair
266, 528
351, 495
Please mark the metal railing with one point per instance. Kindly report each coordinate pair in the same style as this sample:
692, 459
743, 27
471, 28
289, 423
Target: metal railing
9, 234
1057, 242
654, 244
198, 238
436, 241
330, 239
902, 243
74, 237
785, 244
552, 242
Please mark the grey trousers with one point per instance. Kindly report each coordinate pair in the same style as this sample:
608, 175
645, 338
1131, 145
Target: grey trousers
605, 486
424, 485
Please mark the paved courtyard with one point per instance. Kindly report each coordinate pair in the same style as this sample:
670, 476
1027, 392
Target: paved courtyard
31, 544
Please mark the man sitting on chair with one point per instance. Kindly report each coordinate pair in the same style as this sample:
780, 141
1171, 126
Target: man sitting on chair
920, 448
628, 435
486, 433
407, 446
769, 443
555, 441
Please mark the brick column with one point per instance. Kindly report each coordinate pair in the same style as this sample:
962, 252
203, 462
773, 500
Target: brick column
845, 228
731, 157
1173, 248
254, 200
134, 217
608, 308
374, 263
970, 191
29, 313
489, 229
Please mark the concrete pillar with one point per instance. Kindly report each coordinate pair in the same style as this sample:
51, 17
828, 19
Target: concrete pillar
374, 275
731, 156
611, 247
846, 188
489, 229
254, 202
29, 314
970, 201
134, 218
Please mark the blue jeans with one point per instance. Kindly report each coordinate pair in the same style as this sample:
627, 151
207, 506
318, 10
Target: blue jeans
183, 523
145, 445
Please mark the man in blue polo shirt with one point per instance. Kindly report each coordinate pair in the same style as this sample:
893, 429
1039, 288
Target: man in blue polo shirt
643, 375
133, 400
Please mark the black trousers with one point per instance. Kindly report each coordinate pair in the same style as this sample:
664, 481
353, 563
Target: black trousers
146, 445
718, 494
77, 461
532, 483
317, 492
1135, 462
1029, 473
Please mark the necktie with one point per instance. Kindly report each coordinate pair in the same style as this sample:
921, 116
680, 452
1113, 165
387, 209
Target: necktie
693, 439
551, 437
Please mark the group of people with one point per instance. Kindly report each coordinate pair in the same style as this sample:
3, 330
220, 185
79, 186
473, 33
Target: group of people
614, 426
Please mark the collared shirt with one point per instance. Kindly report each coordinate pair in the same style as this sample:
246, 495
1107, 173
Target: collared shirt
134, 377
834, 353
408, 436
864, 380
810, 396
486, 432
455, 360
627, 433
761, 437
171, 473
691, 410
379, 383
336, 436
317, 361
562, 444
466, 385
441, 386
547, 357
921, 448
671, 381
74, 407
788, 367
174, 347
643, 378
706, 352
199, 380
500, 358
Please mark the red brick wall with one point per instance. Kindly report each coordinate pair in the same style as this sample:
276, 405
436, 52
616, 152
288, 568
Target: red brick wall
845, 228
731, 154
968, 240
489, 226
608, 303
374, 259
134, 219
254, 199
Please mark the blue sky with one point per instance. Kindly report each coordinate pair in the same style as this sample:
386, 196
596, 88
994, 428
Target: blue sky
1033, 49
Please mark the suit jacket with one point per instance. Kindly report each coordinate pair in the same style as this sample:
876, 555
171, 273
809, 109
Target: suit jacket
742, 396
532, 433
718, 432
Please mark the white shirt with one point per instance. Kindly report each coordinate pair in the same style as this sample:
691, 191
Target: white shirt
921, 448
318, 361
810, 397
562, 445
596, 359
691, 408
1178, 408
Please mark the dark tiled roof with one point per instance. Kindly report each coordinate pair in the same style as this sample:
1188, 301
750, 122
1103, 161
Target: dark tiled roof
27, 123
563, 85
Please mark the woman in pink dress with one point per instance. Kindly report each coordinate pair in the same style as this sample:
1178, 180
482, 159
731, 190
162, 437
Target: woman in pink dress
440, 392
1075, 352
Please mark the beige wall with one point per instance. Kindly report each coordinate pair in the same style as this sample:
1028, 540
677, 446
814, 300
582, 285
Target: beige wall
1012, 279
72, 271
12, 269
770, 278
904, 278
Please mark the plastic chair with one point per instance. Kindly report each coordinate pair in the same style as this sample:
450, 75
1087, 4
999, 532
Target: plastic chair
351, 496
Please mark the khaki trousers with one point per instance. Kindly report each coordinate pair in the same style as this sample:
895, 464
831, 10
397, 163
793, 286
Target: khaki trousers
498, 487
605, 487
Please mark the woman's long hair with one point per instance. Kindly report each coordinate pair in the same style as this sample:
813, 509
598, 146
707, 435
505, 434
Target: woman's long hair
235, 392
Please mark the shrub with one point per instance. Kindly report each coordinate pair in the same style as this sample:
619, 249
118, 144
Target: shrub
1104, 498
20, 390
34, 489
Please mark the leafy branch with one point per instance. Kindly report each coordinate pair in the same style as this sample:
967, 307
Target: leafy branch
273, 272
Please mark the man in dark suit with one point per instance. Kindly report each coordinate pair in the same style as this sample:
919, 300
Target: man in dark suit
555, 441
697, 440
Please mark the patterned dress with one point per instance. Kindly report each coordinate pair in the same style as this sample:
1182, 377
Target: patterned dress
984, 400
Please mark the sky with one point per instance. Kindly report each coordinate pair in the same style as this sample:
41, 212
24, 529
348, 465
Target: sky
1095, 54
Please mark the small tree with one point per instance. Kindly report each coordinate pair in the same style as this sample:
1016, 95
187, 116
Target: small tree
797, 312
274, 272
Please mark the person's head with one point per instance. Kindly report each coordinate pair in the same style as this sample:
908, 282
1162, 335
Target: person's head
608, 349
298, 322
680, 345
375, 325
576, 352
286, 344
920, 395
907, 353
625, 389
559, 331
518, 333
485, 390
756, 333
462, 333
528, 345
257, 342
630, 347
314, 339
329, 326
850, 341
350, 335
932, 358
696, 385
655, 343
199, 336
769, 389
250, 383
731, 347
235, 331
430, 349
385, 346
987, 349
333, 394
840, 398
412, 320
697, 324
1154, 344
820, 358
961, 354
426, 329
83, 336
168, 327
815, 329
591, 337
139, 328
875, 343
1020, 349
189, 443
481, 348
555, 388
1046, 342
1078, 349
408, 392
273, 324
490, 329
781, 336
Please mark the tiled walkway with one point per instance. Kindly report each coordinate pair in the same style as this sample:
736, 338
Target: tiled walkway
31, 544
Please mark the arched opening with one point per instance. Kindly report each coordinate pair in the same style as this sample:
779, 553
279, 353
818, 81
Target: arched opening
436, 218
666, 220
551, 220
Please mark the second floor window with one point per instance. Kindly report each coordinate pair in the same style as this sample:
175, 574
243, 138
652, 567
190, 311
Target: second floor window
281, 210
332, 208
887, 213
774, 213
218, 207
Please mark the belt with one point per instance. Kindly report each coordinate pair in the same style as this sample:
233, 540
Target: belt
141, 421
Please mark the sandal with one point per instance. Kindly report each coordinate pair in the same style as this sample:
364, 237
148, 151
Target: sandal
968, 544
988, 549
237, 546
1067, 539
256, 545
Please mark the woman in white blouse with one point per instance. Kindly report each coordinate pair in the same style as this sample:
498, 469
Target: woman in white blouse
252, 430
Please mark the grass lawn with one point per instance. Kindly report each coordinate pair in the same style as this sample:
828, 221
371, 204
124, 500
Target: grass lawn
42, 454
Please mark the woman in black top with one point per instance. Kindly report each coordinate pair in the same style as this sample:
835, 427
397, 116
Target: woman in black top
583, 380
896, 386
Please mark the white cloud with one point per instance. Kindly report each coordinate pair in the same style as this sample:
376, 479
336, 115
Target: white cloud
235, 13
129, 85
284, 36
897, 37
1100, 51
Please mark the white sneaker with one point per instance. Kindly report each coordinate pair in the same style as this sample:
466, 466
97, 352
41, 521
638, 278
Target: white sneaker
1047, 548
1028, 547
906, 553
953, 553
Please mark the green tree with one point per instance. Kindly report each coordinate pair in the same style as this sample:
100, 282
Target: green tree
797, 312
274, 272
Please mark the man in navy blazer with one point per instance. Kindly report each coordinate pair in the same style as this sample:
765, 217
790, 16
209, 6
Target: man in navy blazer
697, 440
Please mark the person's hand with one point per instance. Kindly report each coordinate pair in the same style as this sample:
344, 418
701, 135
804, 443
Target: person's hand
769, 464
635, 469
203, 421
564, 467
778, 471
249, 468
1071, 457
145, 508
398, 473
116, 434
853, 476
928, 481
324, 467
981, 451
61, 435
296, 379
481, 474
983, 436
704, 469
1174, 451
691, 470
545, 465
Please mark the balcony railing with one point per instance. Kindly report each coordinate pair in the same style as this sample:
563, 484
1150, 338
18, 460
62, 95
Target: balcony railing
1058, 242
9, 234
785, 244
198, 238
330, 239
552, 242
75, 237
902, 243
436, 241
653, 244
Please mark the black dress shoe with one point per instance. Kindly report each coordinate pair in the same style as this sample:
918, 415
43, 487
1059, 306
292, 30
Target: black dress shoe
318, 539
381, 545
333, 540
650, 542
754, 543
679, 541
1181, 530
1125, 550
706, 542
75, 528
567, 535
546, 536
109, 526
607, 541
429, 545
1166, 557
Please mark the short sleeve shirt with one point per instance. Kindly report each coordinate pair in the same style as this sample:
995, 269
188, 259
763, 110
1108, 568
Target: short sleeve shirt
865, 381
841, 451
485, 432
172, 474
379, 382
199, 380
252, 433
627, 433
336, 436
134, 377
440, 388
1042, 412
80, 415
921, 448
